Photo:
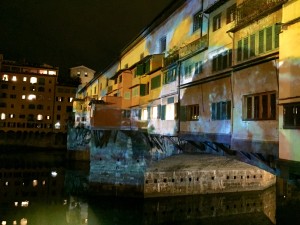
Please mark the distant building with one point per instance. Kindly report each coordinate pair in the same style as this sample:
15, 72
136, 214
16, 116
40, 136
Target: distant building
32, 101
84, 73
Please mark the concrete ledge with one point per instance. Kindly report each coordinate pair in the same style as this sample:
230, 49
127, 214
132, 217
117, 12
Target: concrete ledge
190, 174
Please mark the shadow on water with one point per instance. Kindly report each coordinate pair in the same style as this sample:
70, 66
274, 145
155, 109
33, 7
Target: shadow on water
41, 189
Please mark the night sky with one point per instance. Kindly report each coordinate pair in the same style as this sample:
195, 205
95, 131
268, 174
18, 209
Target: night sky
68, 33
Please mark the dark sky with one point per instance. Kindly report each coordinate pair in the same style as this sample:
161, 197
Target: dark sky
68, 33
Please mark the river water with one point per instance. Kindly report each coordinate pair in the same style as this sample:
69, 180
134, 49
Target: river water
42, 189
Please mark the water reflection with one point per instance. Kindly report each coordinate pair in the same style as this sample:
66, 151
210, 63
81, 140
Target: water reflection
40, 190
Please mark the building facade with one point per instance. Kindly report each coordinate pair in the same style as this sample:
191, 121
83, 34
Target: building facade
32, 102
215, 74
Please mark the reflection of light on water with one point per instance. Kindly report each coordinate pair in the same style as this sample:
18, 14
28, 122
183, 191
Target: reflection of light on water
25, 203
23, 221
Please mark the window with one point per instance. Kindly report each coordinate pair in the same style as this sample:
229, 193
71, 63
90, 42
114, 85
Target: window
24, 79
39, 106
5, 77
42, 81
144, 89
189, 112
198, 67
258, 43
197, 21
39, 117
291, 116
69, 109
222, 61
31, 106
14, 78
231, 13
144, 114
169, 76
163, 44
58, 108
170, 111
217, 22
33, 80
260, 106
31, 97
155, 82
23, 96
3, 117
221, 110
154, 112
41, 89
188, 71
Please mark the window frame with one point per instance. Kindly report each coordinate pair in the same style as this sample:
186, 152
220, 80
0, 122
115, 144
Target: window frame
254, 106
294, 112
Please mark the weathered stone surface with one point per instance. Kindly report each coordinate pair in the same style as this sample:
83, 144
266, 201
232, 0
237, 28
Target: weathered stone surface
188, 174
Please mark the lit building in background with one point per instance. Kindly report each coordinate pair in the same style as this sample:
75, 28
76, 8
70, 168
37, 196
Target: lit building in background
210, 73
32, 101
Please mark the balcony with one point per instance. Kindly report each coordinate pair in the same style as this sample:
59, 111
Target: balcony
254, 9
171, 58
197, 45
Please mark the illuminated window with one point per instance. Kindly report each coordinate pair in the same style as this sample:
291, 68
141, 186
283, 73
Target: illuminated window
31, 97
12, 116
25, 203
3, 116
3, 222
154, 112
59, 99
144, 114
43, 71
291, 116
260, 106
217, 22
170, 112
57, 125
78, 74
23, 96
85, 74
24, 79
16, 204
14, 78
52, 72
14, 222
33, 80
5, 77
34, 183
198, 67
221, 110
39, 117
48, 117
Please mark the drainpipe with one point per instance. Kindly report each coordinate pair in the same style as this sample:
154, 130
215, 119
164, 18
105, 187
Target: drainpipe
231, 84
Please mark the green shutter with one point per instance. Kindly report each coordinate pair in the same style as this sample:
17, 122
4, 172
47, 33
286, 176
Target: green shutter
147, 66
228, 111
183, 113
140, 114
269, 38
252, 45
213, 111
140, 69
239, 50
163, 112
276, 38
142, 89
261, 40
158, 111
